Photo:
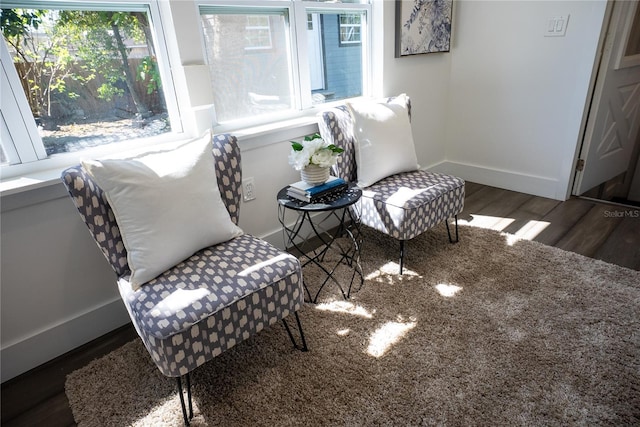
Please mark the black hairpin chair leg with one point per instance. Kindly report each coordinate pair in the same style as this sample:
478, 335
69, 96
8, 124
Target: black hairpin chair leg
449, 232
187, 417
293, 340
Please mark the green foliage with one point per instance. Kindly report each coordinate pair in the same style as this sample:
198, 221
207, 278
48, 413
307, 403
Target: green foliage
108, 92
148, 71
45, 61
78, 46
16, 22
296, 146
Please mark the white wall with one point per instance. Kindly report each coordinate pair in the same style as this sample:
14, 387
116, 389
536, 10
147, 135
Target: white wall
426, 79
517, 98
503, 108
57, 291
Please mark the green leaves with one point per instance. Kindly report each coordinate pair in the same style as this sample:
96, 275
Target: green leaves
335, 149
312, 137
296, 146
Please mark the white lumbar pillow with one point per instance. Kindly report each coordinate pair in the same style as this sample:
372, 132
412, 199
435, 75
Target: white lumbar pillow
383, 139
167, 205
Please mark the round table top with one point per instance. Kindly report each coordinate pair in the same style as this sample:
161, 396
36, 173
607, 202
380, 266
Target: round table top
328, 203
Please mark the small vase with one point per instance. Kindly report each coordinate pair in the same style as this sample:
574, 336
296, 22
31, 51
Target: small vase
314, 174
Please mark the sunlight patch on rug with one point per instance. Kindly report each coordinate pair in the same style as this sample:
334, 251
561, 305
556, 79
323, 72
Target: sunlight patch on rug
345, 307
383, 339
447, 290
390, 270
168, 413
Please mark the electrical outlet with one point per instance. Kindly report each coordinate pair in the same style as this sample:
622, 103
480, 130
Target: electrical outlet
248, 189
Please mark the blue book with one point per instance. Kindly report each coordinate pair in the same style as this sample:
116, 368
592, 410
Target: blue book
303, 188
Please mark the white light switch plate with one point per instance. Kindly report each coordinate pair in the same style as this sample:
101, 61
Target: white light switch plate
556, 26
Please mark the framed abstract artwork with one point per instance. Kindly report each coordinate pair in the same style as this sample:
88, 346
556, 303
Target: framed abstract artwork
423, 26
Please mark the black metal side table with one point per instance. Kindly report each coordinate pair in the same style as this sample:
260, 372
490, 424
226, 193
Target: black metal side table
317, 220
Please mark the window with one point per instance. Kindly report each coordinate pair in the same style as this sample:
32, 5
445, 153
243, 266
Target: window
262, 66
248, 81
350, 28
258, 32
82, 76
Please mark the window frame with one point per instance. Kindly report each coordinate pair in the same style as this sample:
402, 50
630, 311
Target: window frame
297, 20
345, 43
259, 28
27, 163
171, 32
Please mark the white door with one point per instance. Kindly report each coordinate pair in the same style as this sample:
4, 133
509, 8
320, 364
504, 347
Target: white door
614, 118
314, 45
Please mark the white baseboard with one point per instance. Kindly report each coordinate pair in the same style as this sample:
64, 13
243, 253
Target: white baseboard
508, 180
24, 355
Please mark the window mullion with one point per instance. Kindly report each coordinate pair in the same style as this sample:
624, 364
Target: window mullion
27, 143
301, 56
158, 29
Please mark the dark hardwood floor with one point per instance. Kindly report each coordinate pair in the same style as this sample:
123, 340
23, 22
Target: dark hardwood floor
603, 231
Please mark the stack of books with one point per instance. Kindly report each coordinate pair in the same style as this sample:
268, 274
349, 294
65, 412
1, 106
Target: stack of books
308, 193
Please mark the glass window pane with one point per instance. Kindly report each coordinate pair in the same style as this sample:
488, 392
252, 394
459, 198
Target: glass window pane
335, 56
90, 77
249, 64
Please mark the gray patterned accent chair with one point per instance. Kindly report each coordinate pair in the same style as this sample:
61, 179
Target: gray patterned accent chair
435, 197
236, 288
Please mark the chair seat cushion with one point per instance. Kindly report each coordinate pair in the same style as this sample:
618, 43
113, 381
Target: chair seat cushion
205, 283
406, 204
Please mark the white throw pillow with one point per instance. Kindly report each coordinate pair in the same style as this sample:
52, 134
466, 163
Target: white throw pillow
383, 139
167, 205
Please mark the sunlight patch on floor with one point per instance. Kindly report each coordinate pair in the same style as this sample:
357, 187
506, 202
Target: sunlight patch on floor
345, 307
487, 221
529, 231
387, 335
447, 290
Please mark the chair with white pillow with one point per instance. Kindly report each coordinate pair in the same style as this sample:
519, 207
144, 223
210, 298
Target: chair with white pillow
193, 283
398, 198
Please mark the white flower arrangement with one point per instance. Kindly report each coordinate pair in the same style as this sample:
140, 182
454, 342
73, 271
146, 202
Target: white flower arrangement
313, 151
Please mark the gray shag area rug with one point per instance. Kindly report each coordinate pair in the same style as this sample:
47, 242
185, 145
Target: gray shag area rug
489, 331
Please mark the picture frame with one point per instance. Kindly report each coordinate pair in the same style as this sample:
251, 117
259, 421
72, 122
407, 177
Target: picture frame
423, 26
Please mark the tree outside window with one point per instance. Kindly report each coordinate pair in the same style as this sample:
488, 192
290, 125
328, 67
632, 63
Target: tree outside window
90, 77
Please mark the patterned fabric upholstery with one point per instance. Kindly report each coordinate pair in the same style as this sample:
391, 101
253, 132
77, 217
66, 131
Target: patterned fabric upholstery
211, 301
95, 211
402, 205
217, 298
406, 204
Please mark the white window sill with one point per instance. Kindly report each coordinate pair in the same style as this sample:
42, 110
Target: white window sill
39, 175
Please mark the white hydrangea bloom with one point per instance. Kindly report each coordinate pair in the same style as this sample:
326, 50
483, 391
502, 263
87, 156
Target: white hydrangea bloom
324, 158
314, 152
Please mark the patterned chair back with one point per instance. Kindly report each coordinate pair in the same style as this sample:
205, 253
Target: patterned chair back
336, 127
94, 208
